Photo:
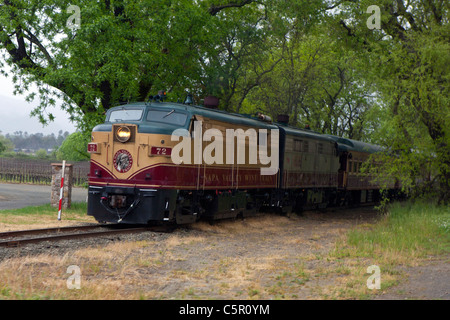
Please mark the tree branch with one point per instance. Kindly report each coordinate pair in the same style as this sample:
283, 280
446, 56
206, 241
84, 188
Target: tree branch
256, 83
214, 9
402, 11
33, 39
351, 33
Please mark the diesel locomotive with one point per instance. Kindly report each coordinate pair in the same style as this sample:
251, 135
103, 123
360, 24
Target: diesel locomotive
170, 162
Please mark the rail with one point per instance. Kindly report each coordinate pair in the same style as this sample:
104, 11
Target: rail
15, 238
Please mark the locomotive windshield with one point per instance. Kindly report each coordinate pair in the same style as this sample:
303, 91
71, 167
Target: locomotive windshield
126, 115
167, 116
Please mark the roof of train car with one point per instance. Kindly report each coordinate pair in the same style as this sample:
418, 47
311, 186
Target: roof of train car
344, 144
237, 118
304, 133
355, 145
145, 125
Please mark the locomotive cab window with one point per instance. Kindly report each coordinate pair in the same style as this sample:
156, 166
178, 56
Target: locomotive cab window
167, 116
126, 115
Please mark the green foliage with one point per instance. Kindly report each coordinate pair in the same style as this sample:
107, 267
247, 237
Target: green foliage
74, 148
41, 154
410, 65
5, 144
411, 228
317, 84
35, 214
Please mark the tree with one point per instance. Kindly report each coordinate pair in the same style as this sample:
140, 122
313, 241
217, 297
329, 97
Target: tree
73, 148
318, 84
41, 154
5, 144
408, 58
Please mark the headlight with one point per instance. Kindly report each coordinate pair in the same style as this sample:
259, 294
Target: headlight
123, 134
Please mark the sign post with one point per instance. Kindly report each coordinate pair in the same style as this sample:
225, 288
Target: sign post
62, 188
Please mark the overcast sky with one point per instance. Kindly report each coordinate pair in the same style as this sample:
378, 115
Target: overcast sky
15, 113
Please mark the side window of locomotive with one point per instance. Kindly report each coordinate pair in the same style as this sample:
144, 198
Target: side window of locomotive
191, 127
305, 146
319, 148
125, 115
167, 116
297, 145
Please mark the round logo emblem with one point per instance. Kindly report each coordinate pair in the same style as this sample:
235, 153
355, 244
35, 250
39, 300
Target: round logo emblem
123, 161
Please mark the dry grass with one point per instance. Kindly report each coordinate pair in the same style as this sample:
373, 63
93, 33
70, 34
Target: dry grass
146, 269
268, 257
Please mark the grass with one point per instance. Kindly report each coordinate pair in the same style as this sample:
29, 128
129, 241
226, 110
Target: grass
43, 214
46, 209
410, 230
410, 233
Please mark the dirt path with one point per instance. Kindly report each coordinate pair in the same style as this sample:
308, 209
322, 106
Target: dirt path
430, 281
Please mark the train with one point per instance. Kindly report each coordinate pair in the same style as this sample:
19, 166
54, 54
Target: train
164, 162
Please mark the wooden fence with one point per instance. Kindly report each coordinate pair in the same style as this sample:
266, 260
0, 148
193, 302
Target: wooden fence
38, 171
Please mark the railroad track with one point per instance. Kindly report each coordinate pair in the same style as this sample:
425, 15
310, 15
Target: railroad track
23, 237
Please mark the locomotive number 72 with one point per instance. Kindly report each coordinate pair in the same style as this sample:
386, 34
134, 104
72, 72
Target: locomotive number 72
161, 151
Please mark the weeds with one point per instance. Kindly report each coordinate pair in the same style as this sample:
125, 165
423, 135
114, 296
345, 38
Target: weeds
409, 232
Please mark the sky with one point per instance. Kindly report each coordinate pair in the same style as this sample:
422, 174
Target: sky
15, 113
